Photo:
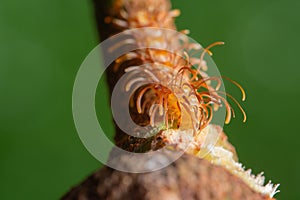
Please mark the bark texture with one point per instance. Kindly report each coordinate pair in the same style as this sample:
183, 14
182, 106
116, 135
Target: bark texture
186, 178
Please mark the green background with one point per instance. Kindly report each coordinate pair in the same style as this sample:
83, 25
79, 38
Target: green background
43, 42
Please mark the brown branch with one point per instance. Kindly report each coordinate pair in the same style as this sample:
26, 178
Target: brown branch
187, 178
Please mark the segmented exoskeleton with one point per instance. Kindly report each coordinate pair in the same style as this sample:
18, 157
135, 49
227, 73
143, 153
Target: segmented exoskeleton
172, 91
171, 74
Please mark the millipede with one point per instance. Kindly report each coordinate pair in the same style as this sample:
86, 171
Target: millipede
173, 91
180, 70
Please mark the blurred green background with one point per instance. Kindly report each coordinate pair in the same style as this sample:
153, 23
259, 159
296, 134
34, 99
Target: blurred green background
43, 42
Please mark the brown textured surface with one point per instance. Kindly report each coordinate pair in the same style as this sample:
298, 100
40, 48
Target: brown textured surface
104, 8
187, 178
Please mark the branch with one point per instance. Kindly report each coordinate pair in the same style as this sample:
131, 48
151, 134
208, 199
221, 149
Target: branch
189, 177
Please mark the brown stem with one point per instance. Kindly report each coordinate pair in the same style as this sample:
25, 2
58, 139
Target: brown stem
187, 178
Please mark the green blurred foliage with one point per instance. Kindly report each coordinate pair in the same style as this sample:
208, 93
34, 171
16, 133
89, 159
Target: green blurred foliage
42, 44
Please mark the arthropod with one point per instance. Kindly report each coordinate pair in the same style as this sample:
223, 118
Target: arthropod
177, 72
173, 91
